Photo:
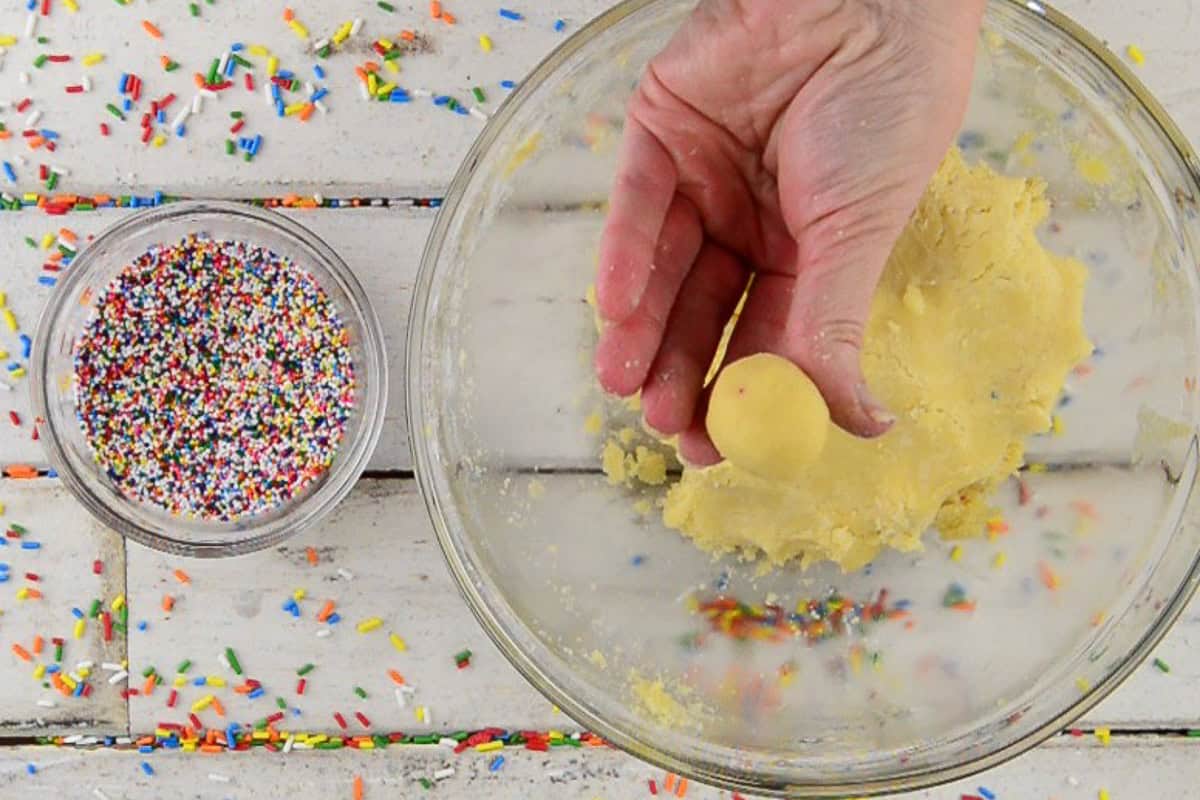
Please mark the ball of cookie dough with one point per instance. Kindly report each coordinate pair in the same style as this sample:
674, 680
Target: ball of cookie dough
767, 417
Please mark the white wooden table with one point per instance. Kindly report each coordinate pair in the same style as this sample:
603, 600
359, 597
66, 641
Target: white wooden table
376, 554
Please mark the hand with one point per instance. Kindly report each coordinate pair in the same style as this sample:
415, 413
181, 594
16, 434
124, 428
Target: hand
788, 141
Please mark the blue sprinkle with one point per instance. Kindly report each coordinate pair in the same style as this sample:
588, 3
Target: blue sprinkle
510, 14
441, 100
52, 668
638, 560
285, 74
127, 105
3, 566
318, 94
510, 85
986, 794
319, 71
10, 173
279, 110
275, 91
435, 202
26, 345
334, 618
199, 681
158, 197
399, 96
143, 625
4, 578
180, 130
48, 134
146, 768
461, 110
161, 116
258, 692
146, 748
560, 25
230, 66
231, 736
257, 144
31, 545
30, 5
31, 768
78, 689
52, 473
170, 743
13, 366
237, 47
496, 764
75, 612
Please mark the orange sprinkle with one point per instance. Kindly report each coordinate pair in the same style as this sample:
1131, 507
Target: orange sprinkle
144, 740
38, 643
396, 677
32, 593
35, 142
965, 605
311, 554
22, 653
55, 257
1083, 370
168, 602
449, 18
435, 9
20, 471
150, 28
1049, 577
211, 748
408, 36
307, 112
669, 781
288, 14
358, 787
164, 61
148, 686
997, 526
371, 66
681, 788
5, 134
245, 688
217, 707
326, 611
182, 576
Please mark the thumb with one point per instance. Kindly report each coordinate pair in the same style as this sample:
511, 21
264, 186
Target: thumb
826, 324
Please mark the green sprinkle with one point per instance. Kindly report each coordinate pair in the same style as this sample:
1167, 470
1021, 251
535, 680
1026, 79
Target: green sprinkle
147, 672
235, 114
334, 744
294, 86
171, 66
21, 529
480, 97
247, 157
116, 112
361, 692
307, 668
234, 664
388, 7
212, 70
83, 207
1161, 665
29, 241
461, 656
260, 724
195, 9
392, 55
58, 648
425, 783
241, 62
230, 147
184, 666
40, 60
52, 181
1193, 734
94, 611
279, 701
119, 627
43, 40
324, 52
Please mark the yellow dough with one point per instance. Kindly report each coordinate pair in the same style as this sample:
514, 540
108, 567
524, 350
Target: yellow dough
767, 417
972, 333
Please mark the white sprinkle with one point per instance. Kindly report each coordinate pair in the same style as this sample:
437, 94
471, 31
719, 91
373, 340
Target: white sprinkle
30, 25
46, 703
408, 689
124, 740
309, 88
23, 76
575, 737
34, 117
109, 666
444, 773
87, 741
422, 93
320, 106
4, 387
209, 93
118, 676
320, 198
320, 44
99, 794
324, 632
197, 104
446, 741
86, 83
267, 93
401, 699
287, 746
74, 676
1071, 779
356, 26
345, 573
428, 716
4, 105
81, 664
63, 172
41, 723
218, 777
478, 113
72, 739
223, 63
223, 661
362, 91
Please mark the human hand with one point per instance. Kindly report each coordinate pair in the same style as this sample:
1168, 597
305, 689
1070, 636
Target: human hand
788, 141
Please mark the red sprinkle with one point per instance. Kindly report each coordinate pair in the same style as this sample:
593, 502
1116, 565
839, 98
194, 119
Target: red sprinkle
106, 620
237, 126
362, 719
340, 720
166, 101
24, 104
300, 686
74, 88
97, 567
32, 576
104, 129
16, 420
196, 724
249, 81
174, 696
59, 58
45, 8
653, 786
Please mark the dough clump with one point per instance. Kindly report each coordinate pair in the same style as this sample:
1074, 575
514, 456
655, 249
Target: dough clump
971, 336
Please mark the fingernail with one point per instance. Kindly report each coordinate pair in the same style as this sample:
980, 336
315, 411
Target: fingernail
873, 408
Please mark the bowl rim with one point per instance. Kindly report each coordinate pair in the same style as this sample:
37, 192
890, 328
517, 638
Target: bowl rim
549, 686
352, 456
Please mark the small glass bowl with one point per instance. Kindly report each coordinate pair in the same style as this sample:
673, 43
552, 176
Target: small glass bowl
69, 310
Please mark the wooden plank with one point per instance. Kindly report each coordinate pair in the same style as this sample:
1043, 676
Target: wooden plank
382, 537
70, 543
1063, 769
401, 150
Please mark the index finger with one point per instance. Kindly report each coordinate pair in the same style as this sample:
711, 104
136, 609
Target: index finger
641, 194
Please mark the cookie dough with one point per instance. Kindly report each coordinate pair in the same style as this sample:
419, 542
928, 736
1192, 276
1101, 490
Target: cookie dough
972, 333
767, 417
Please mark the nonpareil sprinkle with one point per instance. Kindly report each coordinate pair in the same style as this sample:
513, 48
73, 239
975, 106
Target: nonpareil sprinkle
214, 379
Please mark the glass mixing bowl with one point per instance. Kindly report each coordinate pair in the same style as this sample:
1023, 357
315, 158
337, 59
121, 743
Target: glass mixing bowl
814, 685
69, 309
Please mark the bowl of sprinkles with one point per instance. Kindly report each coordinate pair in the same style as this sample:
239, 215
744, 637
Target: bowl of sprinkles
212, 378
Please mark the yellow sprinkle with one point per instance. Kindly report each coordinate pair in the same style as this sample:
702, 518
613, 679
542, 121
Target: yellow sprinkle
488, 747
368, 625
485, 43
84, 672
366, 744
1103, 795
258, 50
294, 108
556, 709
189, 747
999, 560
555, 736
272, 65
92, 59
3, 354
39, 671
214, 680
340, 35
1037, 468
202, 703
420, 713
23, 594
7, 40
391, 67
1104, 736
260, 736
385, 89
71, 5
180, 680
1135, 54
118, 602
3, 299
69, 681
298, 28
19, 372
1056, 425
48, 241
299, 595
30, 197
396, 641
956, 553
372, 83
80, 627
1082, 685
2, 504
159, 141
